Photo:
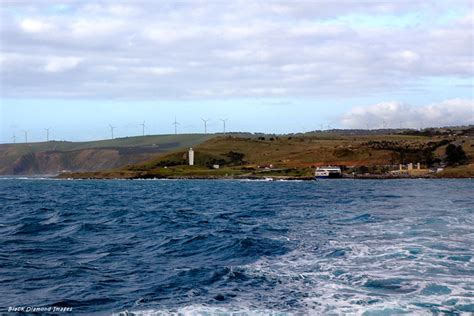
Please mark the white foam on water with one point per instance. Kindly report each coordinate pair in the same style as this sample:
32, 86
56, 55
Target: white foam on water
340, 284
201, 310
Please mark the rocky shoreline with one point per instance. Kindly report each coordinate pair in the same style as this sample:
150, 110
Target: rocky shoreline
79, 176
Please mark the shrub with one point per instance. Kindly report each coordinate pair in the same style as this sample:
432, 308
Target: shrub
455, 155
235, 157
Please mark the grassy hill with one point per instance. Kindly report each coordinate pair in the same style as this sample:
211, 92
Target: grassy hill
53, 157
295, 155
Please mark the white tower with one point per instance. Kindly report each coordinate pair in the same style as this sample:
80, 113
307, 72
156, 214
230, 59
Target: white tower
191, 157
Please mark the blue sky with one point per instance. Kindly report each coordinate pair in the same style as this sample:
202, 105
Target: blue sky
271, 66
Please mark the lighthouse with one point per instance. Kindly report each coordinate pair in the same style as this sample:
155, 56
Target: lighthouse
191, 157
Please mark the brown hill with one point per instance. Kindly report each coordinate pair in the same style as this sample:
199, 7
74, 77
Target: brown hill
293, 155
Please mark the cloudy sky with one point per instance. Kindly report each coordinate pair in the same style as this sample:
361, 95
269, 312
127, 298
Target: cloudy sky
273, 66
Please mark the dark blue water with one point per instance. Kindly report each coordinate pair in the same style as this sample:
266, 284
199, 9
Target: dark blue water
197, 247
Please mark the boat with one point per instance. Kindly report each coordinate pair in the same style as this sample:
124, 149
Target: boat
328, 172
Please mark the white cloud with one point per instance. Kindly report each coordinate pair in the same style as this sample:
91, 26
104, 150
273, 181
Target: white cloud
113, 9
409, 57
60, 64
31, 25
395, 114
169, 34
157, 71
321, 30
244, 54
87, 27
300, 48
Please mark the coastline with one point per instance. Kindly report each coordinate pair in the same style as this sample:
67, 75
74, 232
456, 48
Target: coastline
88, 176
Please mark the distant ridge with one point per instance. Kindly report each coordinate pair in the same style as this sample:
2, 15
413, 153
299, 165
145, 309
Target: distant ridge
54, 157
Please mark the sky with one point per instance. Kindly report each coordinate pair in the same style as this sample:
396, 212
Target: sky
77, 67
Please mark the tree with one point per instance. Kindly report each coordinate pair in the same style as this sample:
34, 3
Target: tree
428, 156
236, 158
455, 155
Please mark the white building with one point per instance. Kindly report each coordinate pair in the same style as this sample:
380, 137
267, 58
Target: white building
191, 157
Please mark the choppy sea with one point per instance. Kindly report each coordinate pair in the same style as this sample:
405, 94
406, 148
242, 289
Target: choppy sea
358, 247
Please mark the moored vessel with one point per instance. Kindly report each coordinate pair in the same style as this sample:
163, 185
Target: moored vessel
328, 172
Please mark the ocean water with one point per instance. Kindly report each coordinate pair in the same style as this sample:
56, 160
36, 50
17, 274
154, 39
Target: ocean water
241, 247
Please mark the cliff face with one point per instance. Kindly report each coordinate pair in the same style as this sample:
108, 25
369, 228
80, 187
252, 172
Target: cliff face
55, 162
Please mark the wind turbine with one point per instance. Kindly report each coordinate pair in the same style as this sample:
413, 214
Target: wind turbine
26, 136
47, 133
224, 122
143, 127
175, 123
112, 128
205, 125
14, 138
